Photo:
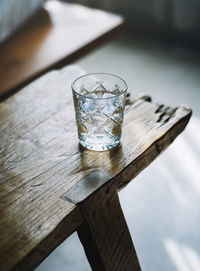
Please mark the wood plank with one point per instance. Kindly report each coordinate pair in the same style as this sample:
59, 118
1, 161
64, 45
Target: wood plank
40, 160
105, 235
56, 35
151, 130
34, 219
56, 235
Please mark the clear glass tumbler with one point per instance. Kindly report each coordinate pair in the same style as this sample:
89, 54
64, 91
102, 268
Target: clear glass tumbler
99, 101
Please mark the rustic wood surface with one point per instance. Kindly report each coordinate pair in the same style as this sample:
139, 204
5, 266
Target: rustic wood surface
55, 36
105, 235
41, 160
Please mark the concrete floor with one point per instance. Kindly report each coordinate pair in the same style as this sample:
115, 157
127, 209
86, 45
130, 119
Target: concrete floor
162, 204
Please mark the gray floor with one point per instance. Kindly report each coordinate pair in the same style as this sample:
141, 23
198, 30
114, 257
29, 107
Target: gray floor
162, 205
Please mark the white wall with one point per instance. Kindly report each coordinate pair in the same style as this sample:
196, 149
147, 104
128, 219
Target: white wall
182, 15
13, 13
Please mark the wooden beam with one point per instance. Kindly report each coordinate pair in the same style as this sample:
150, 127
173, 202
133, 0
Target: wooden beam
105, 235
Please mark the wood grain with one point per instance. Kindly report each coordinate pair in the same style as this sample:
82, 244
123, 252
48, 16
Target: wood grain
40, 160
105, 235
32, 211
56, 35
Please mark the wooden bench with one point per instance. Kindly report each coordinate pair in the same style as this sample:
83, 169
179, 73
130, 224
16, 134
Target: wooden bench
51, 187
58, 34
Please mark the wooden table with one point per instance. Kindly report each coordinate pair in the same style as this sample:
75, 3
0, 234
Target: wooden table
51, 187
56, 35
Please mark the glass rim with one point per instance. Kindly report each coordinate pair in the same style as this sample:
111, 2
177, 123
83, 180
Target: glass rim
98, 98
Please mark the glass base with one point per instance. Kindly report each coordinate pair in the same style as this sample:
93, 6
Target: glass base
99, 143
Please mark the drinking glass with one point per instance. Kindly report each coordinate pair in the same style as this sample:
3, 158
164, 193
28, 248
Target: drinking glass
99, 101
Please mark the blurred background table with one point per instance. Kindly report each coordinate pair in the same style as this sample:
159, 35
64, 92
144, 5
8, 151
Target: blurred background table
56, 35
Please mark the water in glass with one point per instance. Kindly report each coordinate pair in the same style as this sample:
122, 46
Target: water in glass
99, 116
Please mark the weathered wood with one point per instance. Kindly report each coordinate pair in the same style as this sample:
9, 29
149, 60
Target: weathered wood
150, 133
34, 219
105, 235
55, 36
86, 186
57, 235
40, 160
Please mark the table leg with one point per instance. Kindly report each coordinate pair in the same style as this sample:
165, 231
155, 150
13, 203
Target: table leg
105, 235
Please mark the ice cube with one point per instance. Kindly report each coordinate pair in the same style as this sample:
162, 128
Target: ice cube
83, 90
